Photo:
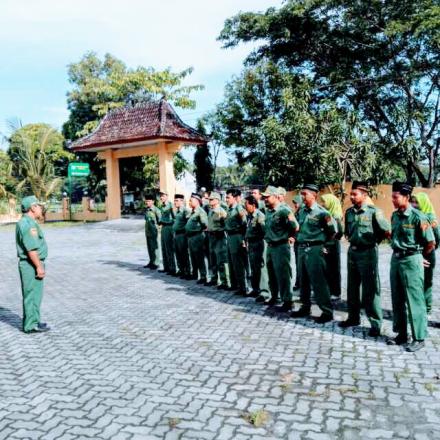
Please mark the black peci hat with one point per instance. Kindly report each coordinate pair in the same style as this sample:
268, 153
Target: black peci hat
311, 187
361, 185
403, 188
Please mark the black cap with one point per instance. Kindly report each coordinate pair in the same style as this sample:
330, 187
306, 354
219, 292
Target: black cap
311, 187
403, 188
196, 196
179, 196
359, 184
149, 197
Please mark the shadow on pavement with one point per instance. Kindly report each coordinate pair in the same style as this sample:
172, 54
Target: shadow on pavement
9, 317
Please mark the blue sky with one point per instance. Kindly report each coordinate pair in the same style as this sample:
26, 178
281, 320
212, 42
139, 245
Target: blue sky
39, 38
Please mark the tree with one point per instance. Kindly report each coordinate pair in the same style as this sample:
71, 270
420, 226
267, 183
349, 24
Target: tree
270, 117
378, 59
38, 158
7, 182
203, 167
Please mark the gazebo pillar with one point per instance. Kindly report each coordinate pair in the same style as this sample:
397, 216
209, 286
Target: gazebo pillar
167, 180
113, 184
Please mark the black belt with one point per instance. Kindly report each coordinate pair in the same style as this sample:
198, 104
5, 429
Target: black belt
192, 234
277, 243
254, 239
218, 234
234, 233
307, 244
403, 254
180, 232
362, 247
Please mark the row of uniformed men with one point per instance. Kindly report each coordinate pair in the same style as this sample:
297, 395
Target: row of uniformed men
238, 233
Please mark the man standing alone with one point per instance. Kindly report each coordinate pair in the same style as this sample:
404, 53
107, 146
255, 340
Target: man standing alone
31, 251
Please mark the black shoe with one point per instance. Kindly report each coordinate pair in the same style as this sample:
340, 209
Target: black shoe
349, 323
172, 273
260, 299
415, 346
374, 332
240, 293
211, 283
202, 281
285, 308
295, 288
153, 266
323, 318
254, 294
223, 287
43, 325
38, 329
147, 266
398, 340
179, 274
193, 277
272, 302
162, 271
303, 312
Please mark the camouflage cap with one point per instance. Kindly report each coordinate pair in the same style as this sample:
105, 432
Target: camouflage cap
270, 191
281, 191
215, 195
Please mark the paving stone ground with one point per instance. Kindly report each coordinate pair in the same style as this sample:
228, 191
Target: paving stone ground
138, 355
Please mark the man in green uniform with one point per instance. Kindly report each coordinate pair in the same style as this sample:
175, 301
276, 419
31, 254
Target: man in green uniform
412, 240
281, 226
152, 220
365, 227
166, 234
217, 242
255, 229
31, 252
259, 198
235, 225
316, 227
181, 215
195, 227
282, 198
297, 203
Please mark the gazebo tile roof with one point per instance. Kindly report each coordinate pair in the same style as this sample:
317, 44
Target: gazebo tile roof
148, 121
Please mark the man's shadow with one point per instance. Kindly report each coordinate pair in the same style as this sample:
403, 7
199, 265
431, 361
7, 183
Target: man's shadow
11, 318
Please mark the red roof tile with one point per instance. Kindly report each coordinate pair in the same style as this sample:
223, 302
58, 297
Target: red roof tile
149, 121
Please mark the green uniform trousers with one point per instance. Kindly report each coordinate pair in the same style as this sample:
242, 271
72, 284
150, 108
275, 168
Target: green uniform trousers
407, 296
296, 251
153, 248
237, 272
167, 244
279, 271
429, 275
196, 243
218, 256
182, 255
313, 274
362, 270
333, 262
256, 262
32, 292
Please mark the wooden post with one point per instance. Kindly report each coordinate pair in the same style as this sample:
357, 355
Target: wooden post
113, 185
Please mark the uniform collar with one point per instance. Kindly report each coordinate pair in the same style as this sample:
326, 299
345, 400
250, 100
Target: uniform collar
311, 208
407, 211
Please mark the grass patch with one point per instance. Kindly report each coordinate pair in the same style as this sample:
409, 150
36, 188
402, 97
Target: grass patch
257, 418
430, 387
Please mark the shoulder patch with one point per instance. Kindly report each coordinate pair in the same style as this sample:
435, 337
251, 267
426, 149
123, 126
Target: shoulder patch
33, 231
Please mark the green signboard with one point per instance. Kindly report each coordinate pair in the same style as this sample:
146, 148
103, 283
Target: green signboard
78, 169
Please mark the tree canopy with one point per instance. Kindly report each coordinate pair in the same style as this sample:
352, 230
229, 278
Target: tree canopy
377, 59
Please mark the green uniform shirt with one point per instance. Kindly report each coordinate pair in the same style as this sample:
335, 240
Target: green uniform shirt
280, 224
262, 206
167, 213
255, 226
316, 225
434, 225
181, 216
410, 229
197, 221
365, 226
152, 219
285, 205
236, 219
216, 219
29, 237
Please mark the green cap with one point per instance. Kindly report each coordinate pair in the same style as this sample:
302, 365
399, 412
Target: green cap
270, 191
281, 191
214, 195
29, 201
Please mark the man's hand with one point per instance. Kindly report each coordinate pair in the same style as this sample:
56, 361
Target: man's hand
291, 240
426, 263
40, 272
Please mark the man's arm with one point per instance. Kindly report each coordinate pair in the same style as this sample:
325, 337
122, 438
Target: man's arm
38, 264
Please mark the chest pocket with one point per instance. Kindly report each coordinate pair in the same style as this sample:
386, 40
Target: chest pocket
408, 232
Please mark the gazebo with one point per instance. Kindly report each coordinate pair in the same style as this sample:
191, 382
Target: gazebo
144, 129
